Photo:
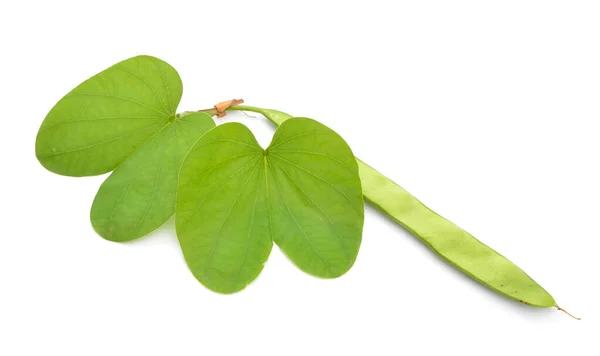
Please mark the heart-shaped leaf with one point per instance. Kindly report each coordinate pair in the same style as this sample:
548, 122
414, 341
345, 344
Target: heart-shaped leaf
234, 199
106, 118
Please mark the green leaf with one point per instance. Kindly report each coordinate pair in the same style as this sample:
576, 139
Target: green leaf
107, 117
234, 199
139, 196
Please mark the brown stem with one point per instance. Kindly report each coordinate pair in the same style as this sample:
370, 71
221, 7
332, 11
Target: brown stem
219, 108
224, 105
566, 312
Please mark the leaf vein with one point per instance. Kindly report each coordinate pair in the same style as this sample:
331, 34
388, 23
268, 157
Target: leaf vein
298, 225
218, 237
320, 178
215, 165
318, 154
100, 143
147, 84
99, 119
226, 140
342, 242
150, 201
121, 98
243, 259
298, 135
166, 84
213, 191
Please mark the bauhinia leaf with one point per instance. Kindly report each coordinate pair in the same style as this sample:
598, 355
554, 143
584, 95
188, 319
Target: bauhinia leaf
106, 118
234, 199
139, 196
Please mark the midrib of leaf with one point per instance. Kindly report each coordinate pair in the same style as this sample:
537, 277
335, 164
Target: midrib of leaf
107, 141
107, 118
342, 242
353, 171
162, 74
296, 136
218, 237
243, 259
114, 210
318, 177
227, 140
177, 127
213, 191
147, 84
136, 152
214, 166
150, 201
296, 222
72, 95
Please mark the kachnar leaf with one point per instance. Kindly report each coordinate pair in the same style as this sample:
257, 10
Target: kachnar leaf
234, 199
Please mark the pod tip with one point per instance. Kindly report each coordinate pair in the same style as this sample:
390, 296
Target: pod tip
566, 312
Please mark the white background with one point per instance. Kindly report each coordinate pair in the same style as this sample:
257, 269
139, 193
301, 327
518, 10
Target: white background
486, 111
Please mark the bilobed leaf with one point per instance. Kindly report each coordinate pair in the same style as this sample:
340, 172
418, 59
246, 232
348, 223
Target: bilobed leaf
139, 196
234, 199
109, 116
